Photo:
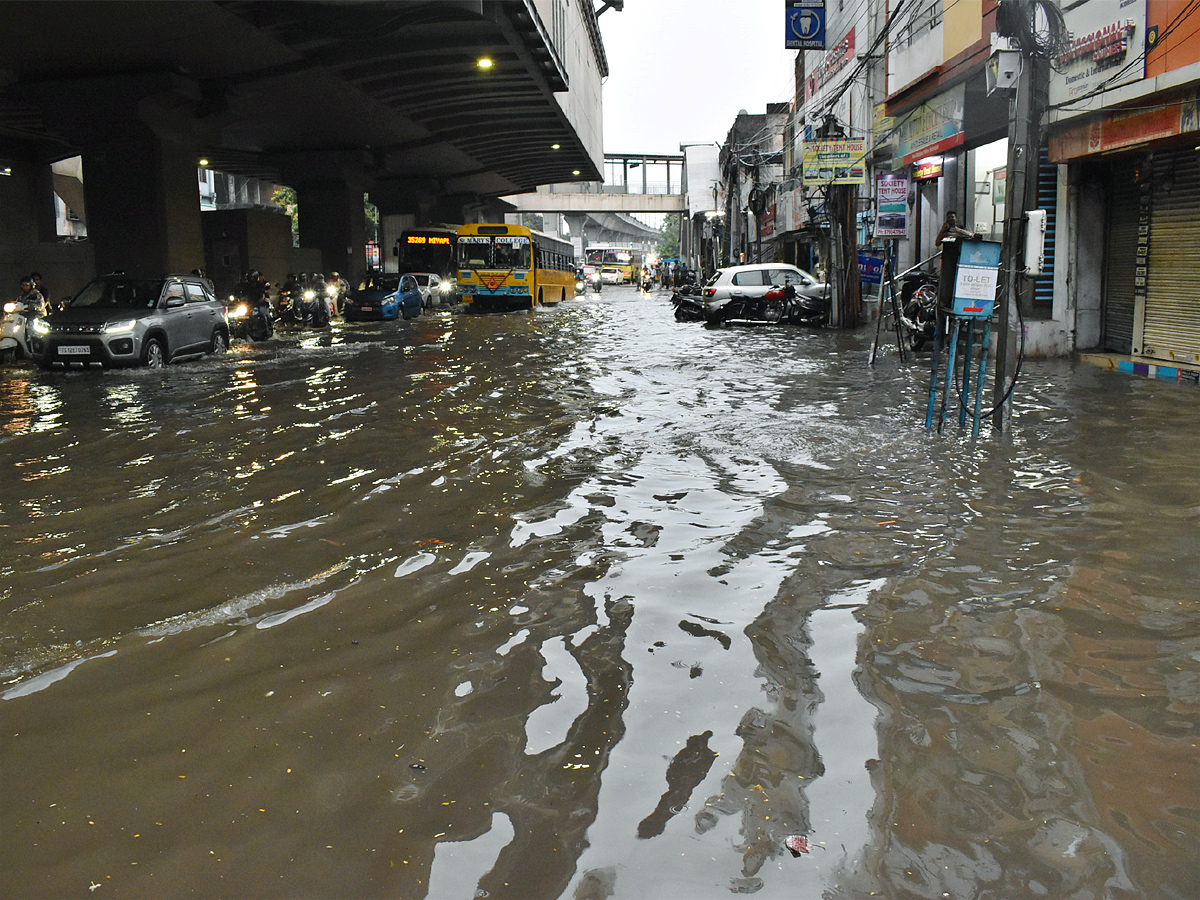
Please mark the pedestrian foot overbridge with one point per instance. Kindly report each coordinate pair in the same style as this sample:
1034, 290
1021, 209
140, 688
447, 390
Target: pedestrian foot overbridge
634, 183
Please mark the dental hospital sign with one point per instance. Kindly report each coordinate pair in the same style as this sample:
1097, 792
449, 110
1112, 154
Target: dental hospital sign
1106, 49
1105, 46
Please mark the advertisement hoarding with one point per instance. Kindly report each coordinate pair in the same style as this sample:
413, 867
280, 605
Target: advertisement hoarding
835, 162
891, 219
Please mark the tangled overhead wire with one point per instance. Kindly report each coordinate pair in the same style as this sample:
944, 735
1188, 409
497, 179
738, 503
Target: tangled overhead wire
1036, 25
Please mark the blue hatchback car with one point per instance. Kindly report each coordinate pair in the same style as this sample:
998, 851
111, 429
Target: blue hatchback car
384, 296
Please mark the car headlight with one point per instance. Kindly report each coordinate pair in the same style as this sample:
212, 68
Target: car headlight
40, 326
121, 327
444, 287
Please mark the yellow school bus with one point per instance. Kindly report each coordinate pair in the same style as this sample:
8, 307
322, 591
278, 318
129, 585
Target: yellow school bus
502, 267
627, 259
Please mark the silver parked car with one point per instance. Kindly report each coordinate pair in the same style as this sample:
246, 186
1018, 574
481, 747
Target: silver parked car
118, 320
752, 282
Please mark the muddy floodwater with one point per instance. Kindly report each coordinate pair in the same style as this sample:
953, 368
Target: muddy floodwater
588, 603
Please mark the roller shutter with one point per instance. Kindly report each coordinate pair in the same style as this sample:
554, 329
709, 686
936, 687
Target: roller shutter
1171, 329
1119, 259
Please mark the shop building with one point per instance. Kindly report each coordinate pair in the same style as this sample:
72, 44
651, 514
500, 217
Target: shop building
1123, 131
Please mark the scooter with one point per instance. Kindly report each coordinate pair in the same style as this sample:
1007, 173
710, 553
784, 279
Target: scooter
14, 342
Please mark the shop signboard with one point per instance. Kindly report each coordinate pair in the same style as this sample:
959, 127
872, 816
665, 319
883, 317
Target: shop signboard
767, 223
870, 267
835, 162
797, 211
1173, 113
1107, 48
933, 127
892, 206
835, 60
999, 186
976, 279
927, 169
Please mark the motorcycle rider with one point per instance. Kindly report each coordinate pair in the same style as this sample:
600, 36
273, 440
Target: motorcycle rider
289, 298
339, 297
35, 303
15, 319
316, 310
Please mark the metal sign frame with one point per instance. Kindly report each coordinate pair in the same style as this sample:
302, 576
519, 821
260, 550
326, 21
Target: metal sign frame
804, 24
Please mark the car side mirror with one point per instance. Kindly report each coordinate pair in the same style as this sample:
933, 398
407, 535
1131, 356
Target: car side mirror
175, 301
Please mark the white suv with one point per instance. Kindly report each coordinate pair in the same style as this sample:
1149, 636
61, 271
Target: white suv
753, 281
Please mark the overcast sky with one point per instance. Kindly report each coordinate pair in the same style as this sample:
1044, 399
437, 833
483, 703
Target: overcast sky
680, 70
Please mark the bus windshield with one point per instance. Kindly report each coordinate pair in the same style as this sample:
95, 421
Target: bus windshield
500, 252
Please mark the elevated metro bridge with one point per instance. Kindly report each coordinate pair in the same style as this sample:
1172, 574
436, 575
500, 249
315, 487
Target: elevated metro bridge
432, 107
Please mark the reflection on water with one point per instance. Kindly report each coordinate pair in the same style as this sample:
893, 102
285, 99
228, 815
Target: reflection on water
589, 603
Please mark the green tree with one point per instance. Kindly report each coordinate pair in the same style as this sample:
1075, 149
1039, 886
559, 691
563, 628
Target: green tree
286, 197
536, 221
373, 219
668, 238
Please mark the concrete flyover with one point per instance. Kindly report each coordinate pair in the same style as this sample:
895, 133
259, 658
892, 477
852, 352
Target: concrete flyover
333, 99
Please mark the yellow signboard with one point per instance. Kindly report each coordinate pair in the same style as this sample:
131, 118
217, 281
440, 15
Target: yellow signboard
835, 162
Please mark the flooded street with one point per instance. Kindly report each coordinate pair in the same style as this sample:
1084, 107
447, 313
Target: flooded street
588, 603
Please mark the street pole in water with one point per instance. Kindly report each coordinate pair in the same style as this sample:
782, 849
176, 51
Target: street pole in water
1021, 130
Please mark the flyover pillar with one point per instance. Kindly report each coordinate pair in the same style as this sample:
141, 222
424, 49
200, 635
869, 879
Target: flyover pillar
143, 204
139, 163
329, 197
577, 222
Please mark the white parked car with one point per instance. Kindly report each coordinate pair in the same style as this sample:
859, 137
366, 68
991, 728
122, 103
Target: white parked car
434, 291
753, 281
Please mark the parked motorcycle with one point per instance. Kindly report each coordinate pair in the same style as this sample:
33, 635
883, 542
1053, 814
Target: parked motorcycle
918, 310
13, 331
805, 307
781, 304
689, 303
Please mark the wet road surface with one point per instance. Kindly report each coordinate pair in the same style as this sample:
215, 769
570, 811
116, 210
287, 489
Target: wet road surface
588, 603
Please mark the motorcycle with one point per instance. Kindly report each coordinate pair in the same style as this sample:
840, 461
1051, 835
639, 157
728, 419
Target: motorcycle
14, 342
689, 303
287, 304
782, 304
918, 315
805, 307
249, 317
314, 306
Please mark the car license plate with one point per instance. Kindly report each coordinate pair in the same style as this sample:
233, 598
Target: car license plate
74, 350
